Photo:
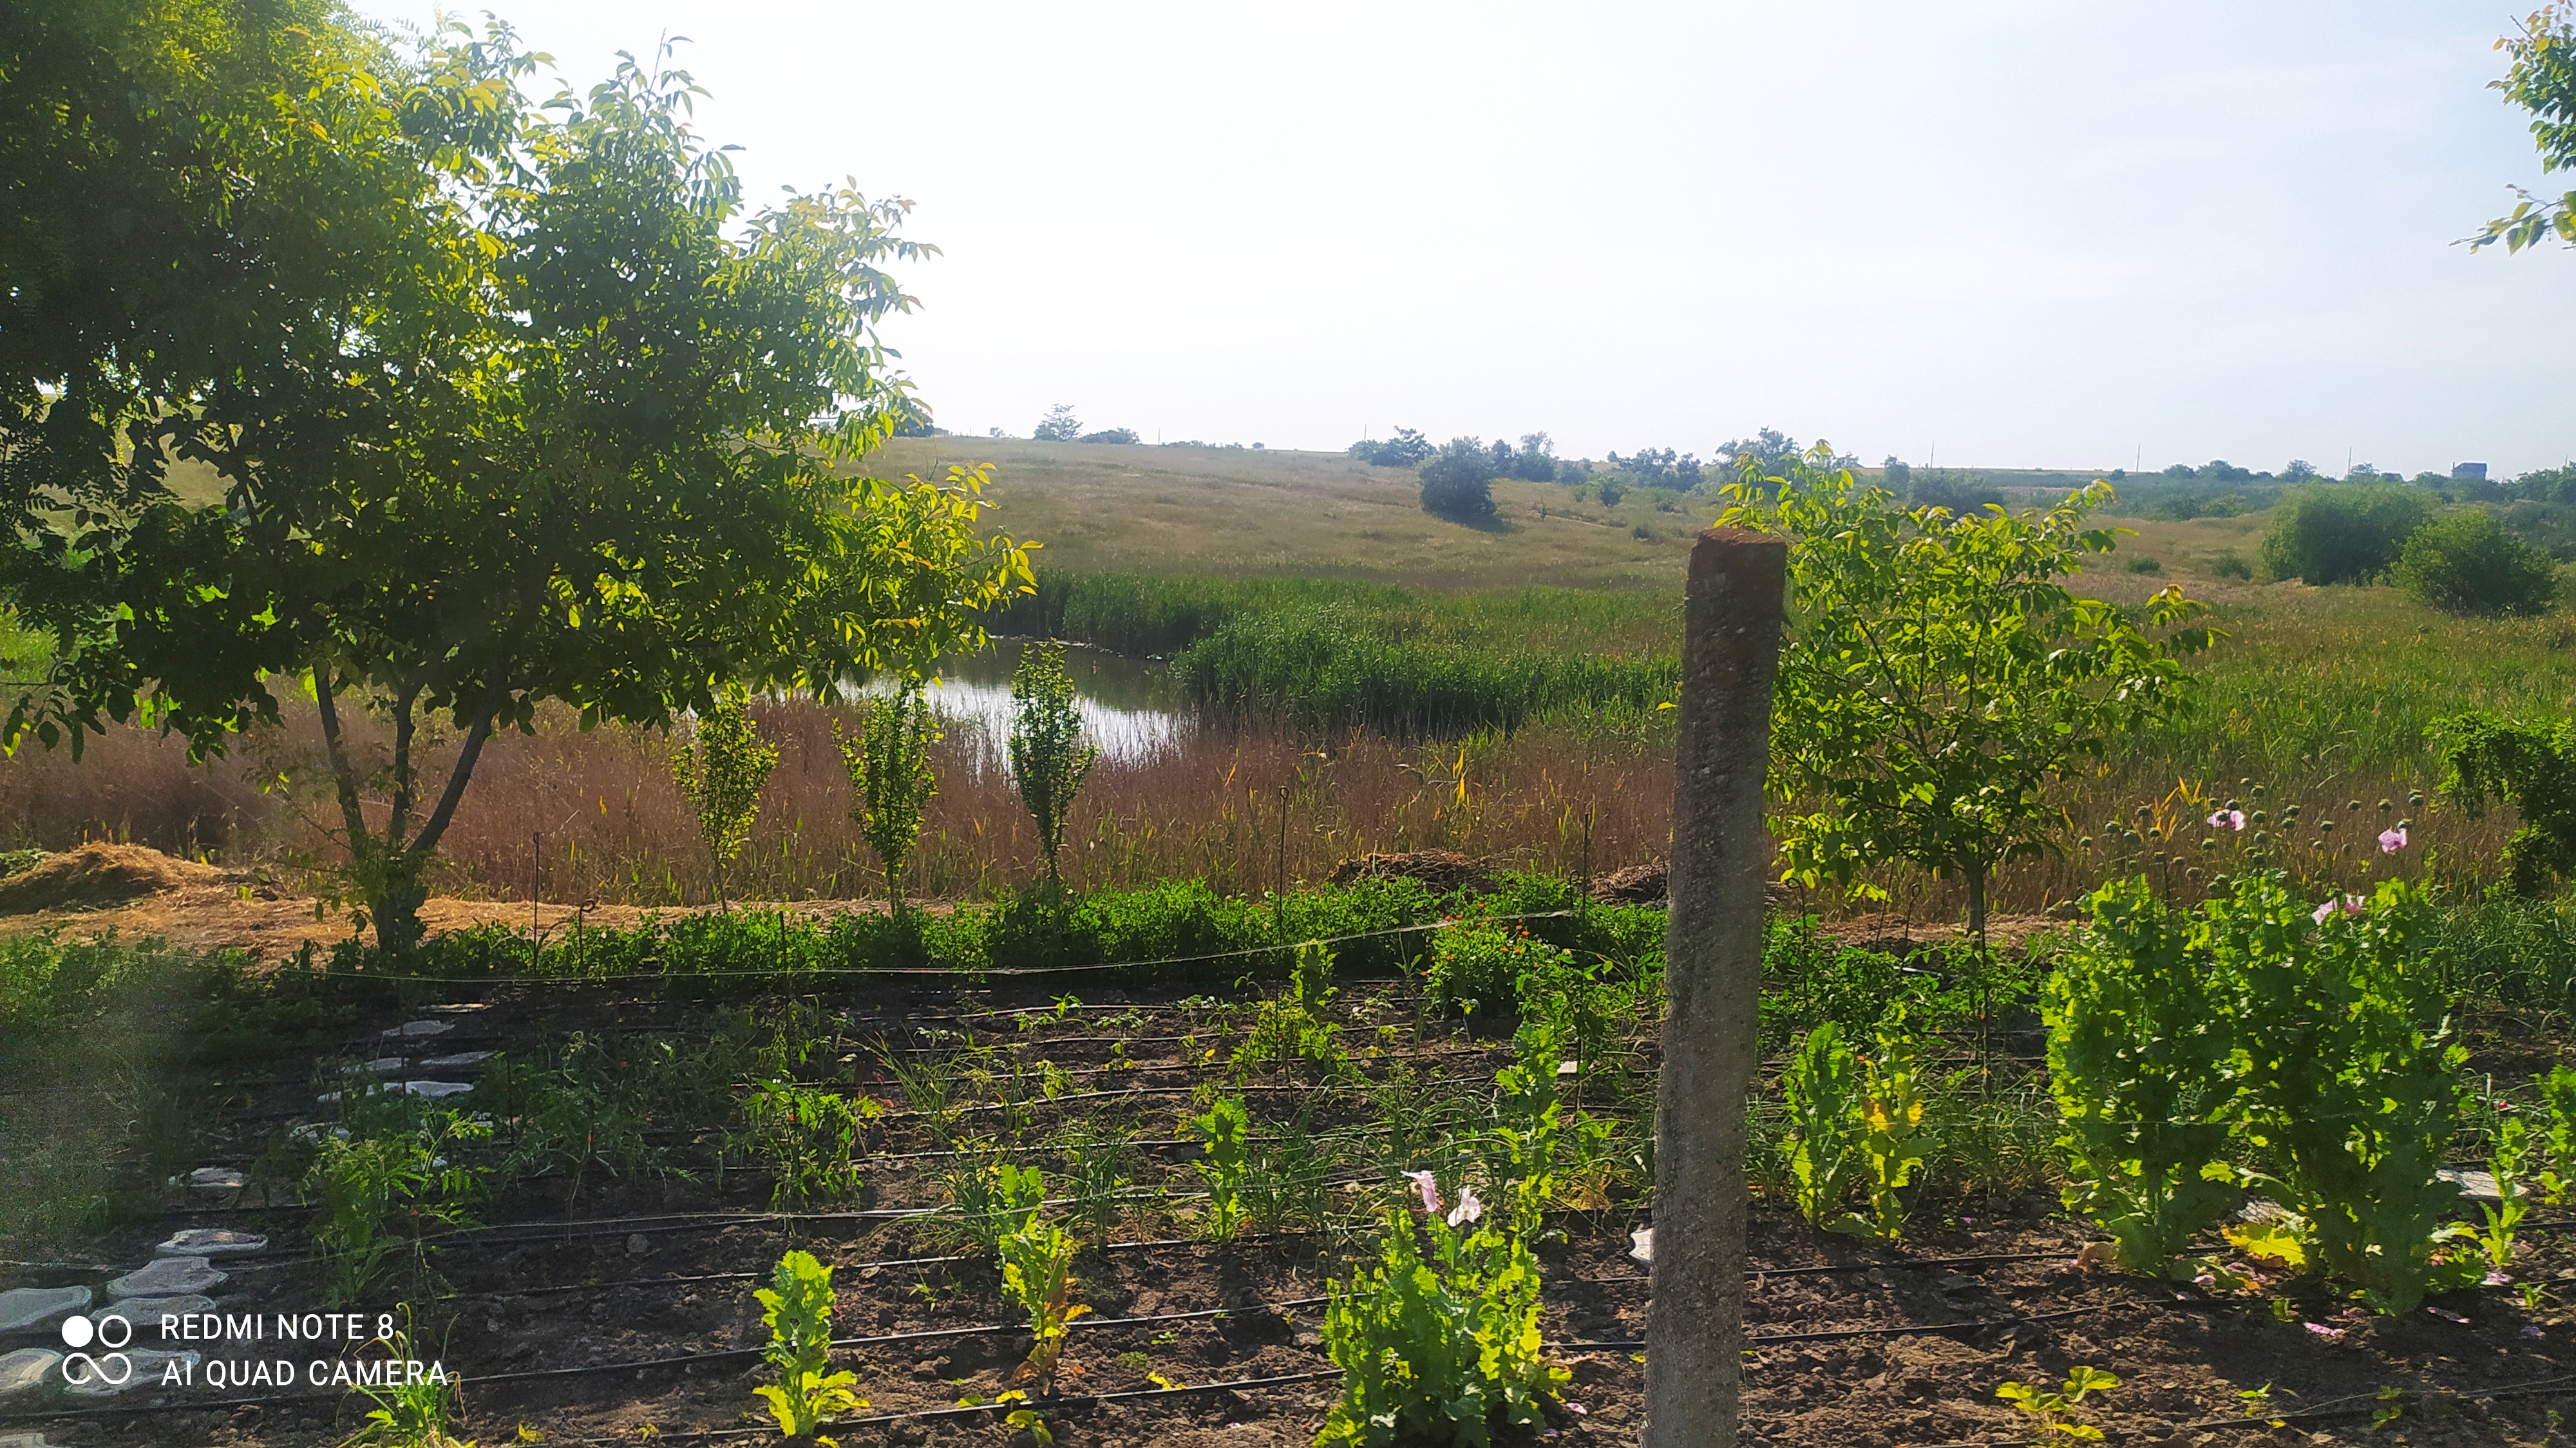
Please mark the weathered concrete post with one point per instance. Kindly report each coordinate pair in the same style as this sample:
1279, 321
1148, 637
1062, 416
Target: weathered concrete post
1712, 976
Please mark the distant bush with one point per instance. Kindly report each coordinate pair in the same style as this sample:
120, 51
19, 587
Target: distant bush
1641, 533
1406, 449
1535, 462
1606, 487
1951, 488
1115, 434
2228, 564
2469, 563
1458, 482
2145, 565
2342, 533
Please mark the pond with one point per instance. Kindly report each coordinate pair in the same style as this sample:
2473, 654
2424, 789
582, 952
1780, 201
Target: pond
1129, 707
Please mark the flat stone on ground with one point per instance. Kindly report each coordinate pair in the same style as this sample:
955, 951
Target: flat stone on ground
210, 1179
458, 1061
29, 1372
32, 1309
144, 1314
436, 1089
1642, 1246
24, 1440
2475, 1186
462, 1008
387, 1065
166, 1277
409, 1030
149, 1366
212, 1242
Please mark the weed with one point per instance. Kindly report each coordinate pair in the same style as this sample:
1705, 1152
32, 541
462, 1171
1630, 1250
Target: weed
1478, 964
797, 1309
2506, 1163
2048, 1408
409, 1412
1893, 1141
990, 1199
1100, 1165
1283, 1183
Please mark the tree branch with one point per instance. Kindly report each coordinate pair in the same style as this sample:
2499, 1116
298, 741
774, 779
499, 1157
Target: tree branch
341, 773
463, 769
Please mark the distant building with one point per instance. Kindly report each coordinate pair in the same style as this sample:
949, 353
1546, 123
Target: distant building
2469, 472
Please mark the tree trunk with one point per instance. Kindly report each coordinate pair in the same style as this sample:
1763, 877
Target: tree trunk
1977, 903
385, 871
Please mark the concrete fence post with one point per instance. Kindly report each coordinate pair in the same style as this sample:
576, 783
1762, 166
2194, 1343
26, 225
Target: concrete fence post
1712, 979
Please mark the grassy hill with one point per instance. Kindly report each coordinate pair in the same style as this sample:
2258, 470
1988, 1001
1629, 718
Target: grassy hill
1147, 509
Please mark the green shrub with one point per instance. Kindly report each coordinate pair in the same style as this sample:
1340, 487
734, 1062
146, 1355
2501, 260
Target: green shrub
1458, 482
1049, 757
2529, 766
808, 1137
889, 767
2467, 563
1224, 1134
2341, 533
722, 766
1478, 964
1822, 1090
1442, 1348
2228, 564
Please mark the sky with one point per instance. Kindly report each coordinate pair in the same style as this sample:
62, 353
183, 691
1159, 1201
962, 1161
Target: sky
2000, 233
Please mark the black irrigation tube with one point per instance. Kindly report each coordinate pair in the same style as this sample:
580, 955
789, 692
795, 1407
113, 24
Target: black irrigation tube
2332, 1408
789, 975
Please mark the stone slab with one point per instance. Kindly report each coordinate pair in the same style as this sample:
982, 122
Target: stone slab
460, 1008
457, 1062
2475, 1186
166, 1277
24, 1440
149, 1364
211, 1179
29, 1373
388, 1065
212, 1242
144, 1314
35, 1309
437, 1089
1641, 1246
413, 1030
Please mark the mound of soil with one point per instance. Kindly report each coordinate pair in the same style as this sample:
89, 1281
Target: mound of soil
1644, 884
1440, 869
99, 874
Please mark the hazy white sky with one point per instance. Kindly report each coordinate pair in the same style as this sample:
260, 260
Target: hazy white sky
2027, 232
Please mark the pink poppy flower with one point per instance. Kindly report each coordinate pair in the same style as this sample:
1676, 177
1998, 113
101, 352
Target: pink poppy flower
1429, 1186
1469, 1209
2391, 841
2330, 1334
2352, 905
2228, 819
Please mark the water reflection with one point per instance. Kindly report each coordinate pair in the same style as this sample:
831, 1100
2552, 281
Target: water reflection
1128, 706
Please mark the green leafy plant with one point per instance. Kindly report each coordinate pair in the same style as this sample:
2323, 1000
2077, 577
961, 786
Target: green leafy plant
2350, 1074
1291, 1027
384, 1192
2542, 81
808, 1137
2557, 1132
1283, 1182
2341, 532
990, 1200
797, 1309
2529, 766
1477, 965
2048, 1408
2507, 1163
1893, 1139
889, 767
2139, 1045
1822, 1089
1224, 1133
1037, 1272
1049, 757
1442, 1347
722, 766
1942, 675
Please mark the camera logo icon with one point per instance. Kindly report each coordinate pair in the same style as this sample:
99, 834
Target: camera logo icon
110, 1367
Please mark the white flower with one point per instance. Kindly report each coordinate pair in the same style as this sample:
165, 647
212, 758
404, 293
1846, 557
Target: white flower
1469, 1209
1429, 1186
